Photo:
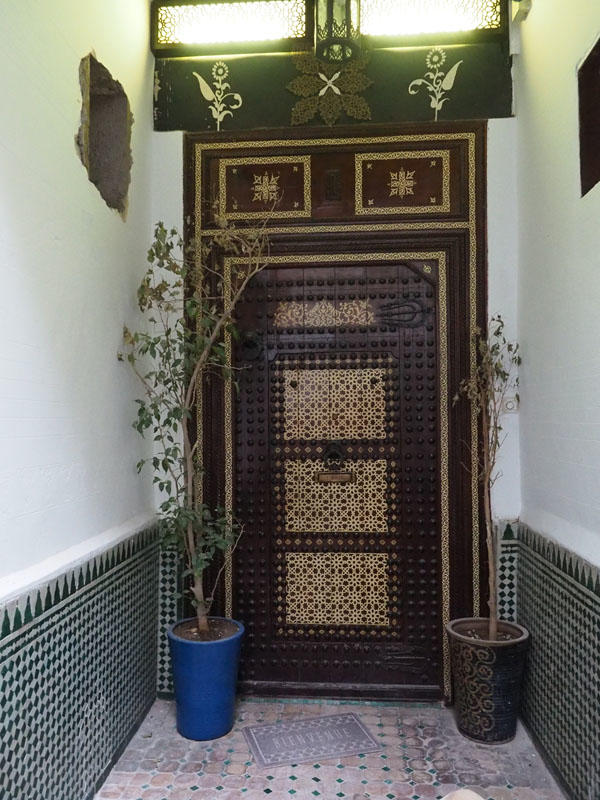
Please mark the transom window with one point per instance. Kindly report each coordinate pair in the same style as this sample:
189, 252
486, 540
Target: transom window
208, 26
408, 17
242, 21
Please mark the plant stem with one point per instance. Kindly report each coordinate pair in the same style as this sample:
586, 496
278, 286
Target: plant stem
486, 388
489, 528
229, 304
188, 328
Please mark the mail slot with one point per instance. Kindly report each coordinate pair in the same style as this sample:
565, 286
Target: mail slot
335, 477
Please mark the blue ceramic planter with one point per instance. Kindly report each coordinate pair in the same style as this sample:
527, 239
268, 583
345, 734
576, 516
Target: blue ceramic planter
205, 675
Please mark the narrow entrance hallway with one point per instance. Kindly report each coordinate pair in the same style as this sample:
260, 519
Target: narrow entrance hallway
422, 756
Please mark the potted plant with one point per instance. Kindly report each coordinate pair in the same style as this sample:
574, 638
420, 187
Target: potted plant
182, 299
488, 654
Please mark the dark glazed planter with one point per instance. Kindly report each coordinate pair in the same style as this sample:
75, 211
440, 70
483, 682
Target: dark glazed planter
487, 678
205, 676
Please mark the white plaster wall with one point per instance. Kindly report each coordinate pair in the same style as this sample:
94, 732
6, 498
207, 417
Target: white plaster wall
167, 179
69, 270
167, 190
503, 260
559, 324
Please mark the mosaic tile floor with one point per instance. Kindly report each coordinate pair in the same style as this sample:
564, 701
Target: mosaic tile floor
422, 756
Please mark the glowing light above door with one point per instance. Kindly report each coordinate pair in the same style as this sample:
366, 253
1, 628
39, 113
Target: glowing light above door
407, 17
210, 23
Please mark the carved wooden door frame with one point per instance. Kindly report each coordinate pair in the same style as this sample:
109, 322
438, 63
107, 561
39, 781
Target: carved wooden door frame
454, 232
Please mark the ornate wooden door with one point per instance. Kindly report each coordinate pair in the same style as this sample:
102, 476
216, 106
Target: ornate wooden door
342, 450
337, 472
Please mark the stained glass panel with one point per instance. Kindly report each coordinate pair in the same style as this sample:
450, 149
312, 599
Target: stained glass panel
406, 17
210, 23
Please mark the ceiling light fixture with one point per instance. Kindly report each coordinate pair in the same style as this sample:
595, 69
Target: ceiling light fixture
337, 29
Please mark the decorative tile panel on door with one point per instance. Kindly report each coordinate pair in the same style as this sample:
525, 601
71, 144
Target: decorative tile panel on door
343, 455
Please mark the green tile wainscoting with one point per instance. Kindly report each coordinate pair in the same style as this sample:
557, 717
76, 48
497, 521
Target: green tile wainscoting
507, 575
78, 665
170, 609
555, 594
75, 681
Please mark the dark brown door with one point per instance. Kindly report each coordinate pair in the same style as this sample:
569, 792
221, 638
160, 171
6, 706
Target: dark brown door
341, 452
337, 474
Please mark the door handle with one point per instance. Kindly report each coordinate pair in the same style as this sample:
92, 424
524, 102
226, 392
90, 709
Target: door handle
334, 452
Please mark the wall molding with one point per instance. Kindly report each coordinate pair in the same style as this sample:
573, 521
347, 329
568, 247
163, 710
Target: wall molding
17, 584
24, 607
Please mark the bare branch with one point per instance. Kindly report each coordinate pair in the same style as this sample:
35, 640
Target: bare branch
495, 375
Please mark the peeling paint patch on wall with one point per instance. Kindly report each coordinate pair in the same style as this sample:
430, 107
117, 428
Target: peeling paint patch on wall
104, 137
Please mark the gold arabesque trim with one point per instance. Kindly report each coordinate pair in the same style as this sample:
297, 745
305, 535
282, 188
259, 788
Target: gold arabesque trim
271, 211
299, 314
433, 208
368, 227
444, 472
260, 144
228, 445
472, 368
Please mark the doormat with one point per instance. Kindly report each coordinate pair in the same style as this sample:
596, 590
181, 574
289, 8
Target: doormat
309, 739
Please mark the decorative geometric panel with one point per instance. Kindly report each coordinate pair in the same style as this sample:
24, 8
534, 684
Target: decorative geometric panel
403, 17
210, 23
407, 182
266, 187
77, 672
334, 404
337, 589
323, 313
359, 506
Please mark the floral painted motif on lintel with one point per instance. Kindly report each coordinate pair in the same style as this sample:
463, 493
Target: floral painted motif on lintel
436, 82
328, 90
222, 102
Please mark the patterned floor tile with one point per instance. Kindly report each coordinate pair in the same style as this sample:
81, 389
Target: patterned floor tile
422, 758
